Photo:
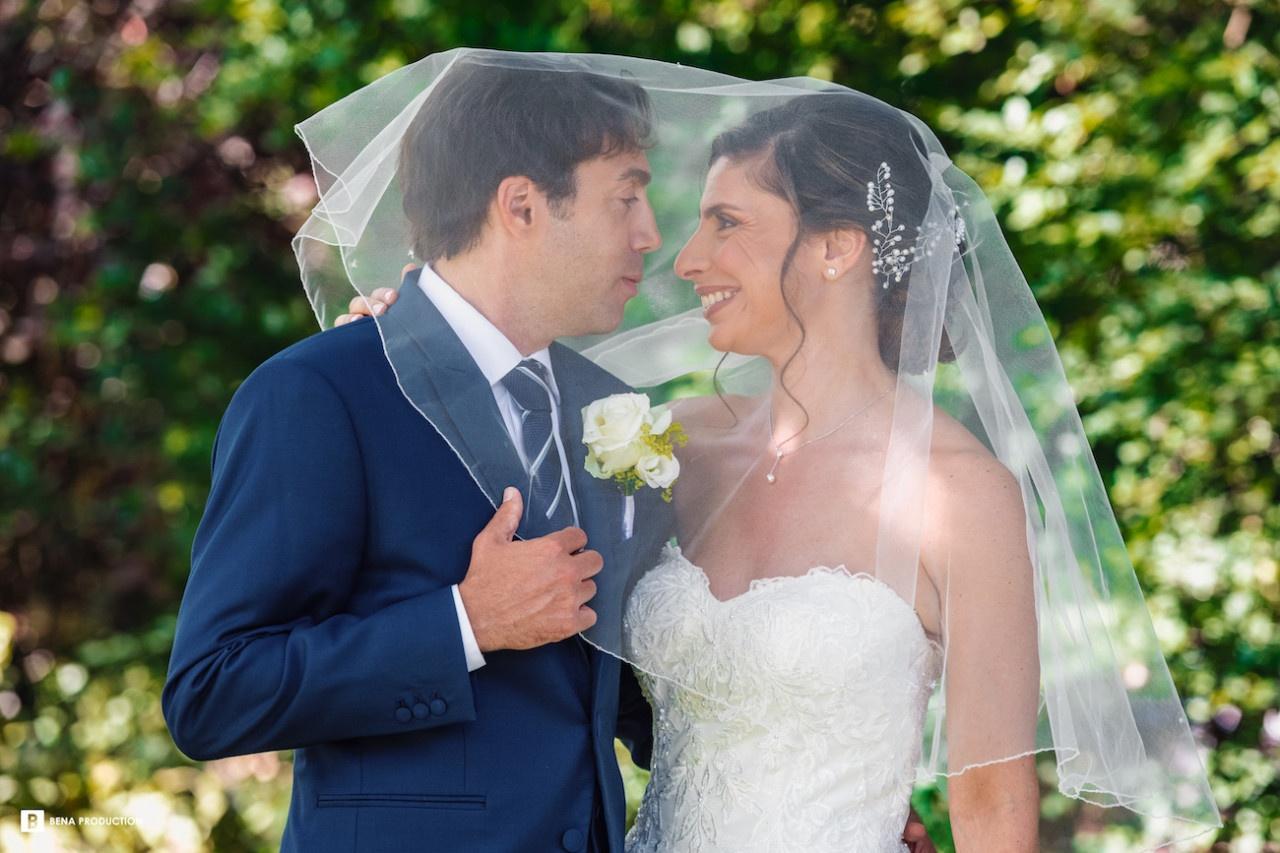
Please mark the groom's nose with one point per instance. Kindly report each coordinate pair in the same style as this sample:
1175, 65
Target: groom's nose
646, 237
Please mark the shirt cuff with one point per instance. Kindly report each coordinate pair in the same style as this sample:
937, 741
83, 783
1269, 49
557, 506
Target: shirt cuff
475, 659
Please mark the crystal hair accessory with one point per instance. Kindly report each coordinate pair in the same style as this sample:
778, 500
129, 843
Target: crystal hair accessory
890, 260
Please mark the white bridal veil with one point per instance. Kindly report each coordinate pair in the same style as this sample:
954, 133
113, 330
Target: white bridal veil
1052, 653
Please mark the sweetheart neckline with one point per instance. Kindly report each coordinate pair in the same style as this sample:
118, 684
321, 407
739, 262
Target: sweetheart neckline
831, 571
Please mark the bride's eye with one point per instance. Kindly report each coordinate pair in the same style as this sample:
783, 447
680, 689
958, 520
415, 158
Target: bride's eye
723, 222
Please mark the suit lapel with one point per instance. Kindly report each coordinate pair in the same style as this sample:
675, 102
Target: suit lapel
600, 504
599, 501
442, 381
439, 377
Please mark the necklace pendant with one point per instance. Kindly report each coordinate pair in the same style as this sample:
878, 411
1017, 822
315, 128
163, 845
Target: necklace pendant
777, 458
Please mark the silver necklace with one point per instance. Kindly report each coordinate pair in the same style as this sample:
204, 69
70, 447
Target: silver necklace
772, 477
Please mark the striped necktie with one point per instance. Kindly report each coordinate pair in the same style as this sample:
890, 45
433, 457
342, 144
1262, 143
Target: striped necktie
547, 505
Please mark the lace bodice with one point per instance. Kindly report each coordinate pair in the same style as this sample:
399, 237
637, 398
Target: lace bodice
824, 679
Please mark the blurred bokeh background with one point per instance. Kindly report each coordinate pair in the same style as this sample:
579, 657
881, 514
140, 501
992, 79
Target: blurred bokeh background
150, 181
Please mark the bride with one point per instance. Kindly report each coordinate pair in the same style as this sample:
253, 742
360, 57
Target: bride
896, 561
773, 532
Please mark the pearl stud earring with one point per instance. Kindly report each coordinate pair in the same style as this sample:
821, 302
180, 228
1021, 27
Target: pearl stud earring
831, 272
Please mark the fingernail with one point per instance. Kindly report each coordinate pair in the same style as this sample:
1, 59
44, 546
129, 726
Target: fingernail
509, 493
378, 308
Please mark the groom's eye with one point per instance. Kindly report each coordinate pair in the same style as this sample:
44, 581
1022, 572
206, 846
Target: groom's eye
630, 201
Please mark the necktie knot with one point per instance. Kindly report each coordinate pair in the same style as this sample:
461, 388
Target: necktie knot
529, 385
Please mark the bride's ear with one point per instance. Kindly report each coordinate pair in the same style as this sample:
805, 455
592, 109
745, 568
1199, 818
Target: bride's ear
843, 250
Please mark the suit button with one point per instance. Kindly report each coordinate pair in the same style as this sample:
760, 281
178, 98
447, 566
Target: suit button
403, 714
572, 840
420, 711
438, 707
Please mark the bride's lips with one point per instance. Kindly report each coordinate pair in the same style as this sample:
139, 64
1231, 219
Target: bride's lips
714, 299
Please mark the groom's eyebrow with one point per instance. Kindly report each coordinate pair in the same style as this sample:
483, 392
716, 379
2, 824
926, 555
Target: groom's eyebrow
636, 174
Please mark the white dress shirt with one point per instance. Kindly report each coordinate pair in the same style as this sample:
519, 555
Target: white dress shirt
496, 356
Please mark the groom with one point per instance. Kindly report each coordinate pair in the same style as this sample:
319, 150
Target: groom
353, 595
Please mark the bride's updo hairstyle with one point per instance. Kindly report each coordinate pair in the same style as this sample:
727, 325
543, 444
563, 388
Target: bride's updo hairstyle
820, 153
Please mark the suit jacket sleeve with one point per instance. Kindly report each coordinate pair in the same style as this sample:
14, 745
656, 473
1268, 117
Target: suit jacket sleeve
267, 655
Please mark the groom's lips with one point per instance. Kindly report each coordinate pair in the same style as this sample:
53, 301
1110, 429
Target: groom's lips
632, 282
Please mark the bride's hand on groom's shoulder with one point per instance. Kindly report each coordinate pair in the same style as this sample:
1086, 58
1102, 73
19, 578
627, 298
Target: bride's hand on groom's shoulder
374, 305
520, 594
371, 306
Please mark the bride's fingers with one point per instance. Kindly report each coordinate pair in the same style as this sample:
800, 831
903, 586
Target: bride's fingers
370, 306
916, 836
917, 839
374, 305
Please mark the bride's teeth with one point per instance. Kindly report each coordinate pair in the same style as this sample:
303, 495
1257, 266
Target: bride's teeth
712, 298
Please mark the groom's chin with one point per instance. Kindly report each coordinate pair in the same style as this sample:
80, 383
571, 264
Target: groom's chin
604, 322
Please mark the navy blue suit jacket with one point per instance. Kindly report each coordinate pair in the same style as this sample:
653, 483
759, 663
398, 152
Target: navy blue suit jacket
319, 617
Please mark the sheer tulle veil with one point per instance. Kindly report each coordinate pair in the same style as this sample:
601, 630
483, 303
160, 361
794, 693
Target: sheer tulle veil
1068, 664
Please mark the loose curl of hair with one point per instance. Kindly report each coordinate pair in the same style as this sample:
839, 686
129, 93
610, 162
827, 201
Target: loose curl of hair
818, 152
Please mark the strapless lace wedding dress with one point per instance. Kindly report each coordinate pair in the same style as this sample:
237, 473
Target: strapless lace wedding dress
826, 677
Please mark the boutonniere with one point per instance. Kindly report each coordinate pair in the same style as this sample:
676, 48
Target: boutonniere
632, 443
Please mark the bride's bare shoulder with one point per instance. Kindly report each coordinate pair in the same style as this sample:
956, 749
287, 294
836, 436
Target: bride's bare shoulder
976, 506
963, 469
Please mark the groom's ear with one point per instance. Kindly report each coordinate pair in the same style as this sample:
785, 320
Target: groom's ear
515, 205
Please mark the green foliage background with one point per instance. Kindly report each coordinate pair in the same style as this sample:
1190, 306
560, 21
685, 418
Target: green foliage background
150, 181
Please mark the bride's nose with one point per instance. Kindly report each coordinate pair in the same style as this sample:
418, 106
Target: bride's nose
691, 262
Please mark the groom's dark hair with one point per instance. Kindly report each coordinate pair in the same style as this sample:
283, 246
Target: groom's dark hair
487, 120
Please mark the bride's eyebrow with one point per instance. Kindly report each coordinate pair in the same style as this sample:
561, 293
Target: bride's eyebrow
717, 209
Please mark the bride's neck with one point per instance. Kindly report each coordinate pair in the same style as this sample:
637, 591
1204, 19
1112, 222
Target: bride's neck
835, 373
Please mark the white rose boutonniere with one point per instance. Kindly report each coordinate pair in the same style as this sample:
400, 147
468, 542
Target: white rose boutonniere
632, 443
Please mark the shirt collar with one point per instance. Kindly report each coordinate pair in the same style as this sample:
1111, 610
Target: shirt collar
488, 347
